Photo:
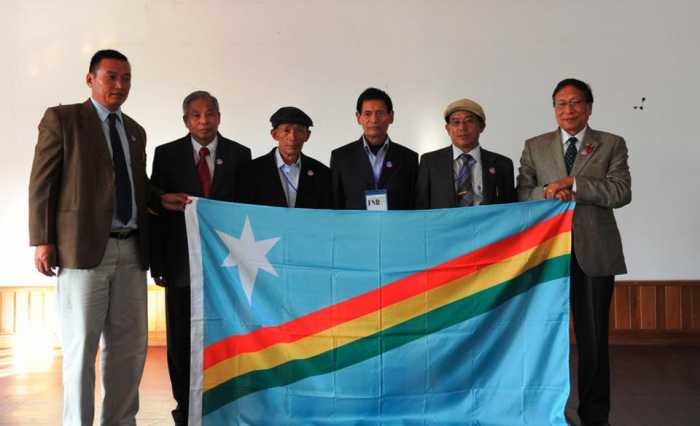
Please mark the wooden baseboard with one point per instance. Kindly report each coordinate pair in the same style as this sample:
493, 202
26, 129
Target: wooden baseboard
655, 313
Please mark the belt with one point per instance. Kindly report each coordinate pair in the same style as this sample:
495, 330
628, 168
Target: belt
123, 234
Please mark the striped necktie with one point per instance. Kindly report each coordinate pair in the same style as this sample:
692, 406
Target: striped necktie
463, 181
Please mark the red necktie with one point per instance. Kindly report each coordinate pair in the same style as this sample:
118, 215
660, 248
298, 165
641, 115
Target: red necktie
203, 170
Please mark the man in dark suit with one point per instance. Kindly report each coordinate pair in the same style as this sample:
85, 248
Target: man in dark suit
285, 177
374, 170
88, 196
590, 166
464, 173
202, 164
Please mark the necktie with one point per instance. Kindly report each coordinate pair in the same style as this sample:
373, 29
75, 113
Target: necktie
463, 181
121, 174
570, 154
203, 170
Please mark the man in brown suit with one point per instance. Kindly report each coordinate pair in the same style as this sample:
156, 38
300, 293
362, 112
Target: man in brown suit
88, 193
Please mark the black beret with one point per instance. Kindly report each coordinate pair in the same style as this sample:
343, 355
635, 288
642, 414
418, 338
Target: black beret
290, 115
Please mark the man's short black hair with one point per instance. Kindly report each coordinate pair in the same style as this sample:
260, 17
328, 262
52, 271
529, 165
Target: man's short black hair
105, 54
580, 85
374, 94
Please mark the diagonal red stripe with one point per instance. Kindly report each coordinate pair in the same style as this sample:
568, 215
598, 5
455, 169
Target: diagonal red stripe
389, 294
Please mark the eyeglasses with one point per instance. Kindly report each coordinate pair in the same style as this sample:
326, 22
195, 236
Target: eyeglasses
468, 121
573, 103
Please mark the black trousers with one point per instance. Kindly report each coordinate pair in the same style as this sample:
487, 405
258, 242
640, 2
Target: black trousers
590, 304
177, 317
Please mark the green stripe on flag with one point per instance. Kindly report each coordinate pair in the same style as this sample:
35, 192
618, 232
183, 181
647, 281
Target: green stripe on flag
386, 340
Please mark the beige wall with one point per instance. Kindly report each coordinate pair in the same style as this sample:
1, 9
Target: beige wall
319, 54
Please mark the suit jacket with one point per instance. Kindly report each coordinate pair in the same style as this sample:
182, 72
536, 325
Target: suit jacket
72, 185
263, 185
435, 188
174, 170
352, 175
603, 183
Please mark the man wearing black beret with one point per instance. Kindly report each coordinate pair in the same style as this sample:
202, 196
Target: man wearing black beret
285, 177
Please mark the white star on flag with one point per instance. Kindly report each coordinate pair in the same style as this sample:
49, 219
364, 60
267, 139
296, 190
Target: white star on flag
249, 255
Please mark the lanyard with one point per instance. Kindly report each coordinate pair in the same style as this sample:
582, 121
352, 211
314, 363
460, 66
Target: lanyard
289, 181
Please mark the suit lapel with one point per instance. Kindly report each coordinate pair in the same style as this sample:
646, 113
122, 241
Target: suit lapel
488, 178
184, 160
392, 163
276, 191
446, 172
306, 182
93, 126
555, 152
589, 145
365, 168
220, 162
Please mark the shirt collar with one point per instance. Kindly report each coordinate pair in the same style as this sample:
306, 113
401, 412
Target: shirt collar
384, 147
103, 112
579, 136
280, 162
212, 145
475, 153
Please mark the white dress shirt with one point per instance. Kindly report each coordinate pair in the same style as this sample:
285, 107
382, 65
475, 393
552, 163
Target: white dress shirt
103, 114
289, 177
196, 146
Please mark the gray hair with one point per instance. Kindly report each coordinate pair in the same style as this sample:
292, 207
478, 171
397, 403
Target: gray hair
199, 94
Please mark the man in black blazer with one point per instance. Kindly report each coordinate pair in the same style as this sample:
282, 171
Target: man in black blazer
464, 174
374, 162
202, 164
285, 177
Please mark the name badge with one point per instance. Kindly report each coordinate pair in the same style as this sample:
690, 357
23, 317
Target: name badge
376, 199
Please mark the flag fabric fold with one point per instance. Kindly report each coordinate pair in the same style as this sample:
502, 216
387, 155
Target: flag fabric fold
452, 316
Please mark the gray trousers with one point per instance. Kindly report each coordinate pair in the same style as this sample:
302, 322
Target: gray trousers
107, 306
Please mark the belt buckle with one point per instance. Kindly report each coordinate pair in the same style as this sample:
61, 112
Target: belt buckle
122, 234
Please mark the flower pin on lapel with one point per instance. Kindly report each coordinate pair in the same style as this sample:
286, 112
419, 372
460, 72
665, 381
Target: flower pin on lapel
219, 161
310, 173
389, 165
587, 149
492, 170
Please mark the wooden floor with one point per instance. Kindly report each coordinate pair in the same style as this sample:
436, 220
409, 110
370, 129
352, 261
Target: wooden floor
652, 386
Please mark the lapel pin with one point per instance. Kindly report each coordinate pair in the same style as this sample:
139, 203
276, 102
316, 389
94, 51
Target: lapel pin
219, 161
389, 165
492, 170
310, 173
587, 149
133, 138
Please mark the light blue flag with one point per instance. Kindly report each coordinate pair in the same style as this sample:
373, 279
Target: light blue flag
318, 317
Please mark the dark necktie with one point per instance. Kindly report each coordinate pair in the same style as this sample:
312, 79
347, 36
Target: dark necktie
570, 154
463, 181
203, 170
121, 174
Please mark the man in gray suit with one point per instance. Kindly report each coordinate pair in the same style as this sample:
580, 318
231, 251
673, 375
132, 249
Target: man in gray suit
590, 166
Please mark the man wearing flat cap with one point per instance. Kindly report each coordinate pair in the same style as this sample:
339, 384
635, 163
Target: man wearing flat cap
374, 172
285, 177
464, 173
